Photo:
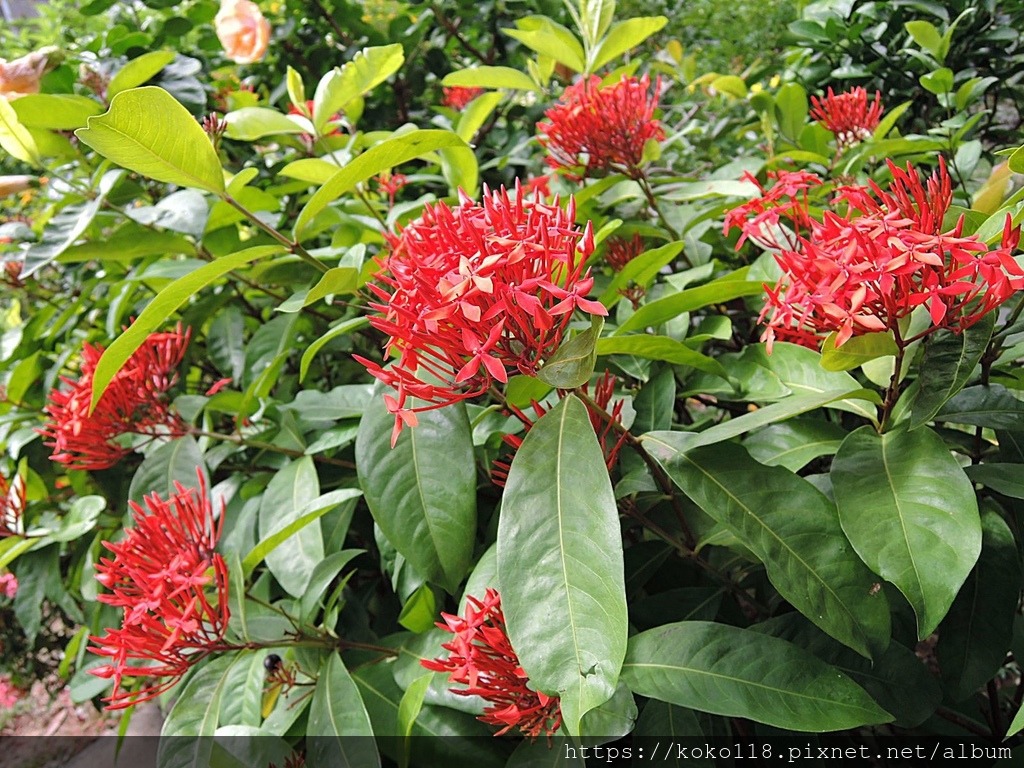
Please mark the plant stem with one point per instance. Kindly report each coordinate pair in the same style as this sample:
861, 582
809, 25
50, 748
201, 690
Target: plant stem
293, 247
645, 185
893, 391
260, 445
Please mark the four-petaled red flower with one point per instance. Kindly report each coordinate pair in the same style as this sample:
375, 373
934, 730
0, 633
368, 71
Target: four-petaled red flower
848, 115
159, 575
390, 184
12, 506
458, 97
477, 291
482, 658
610, 438
865, 270
133, 403
602, 129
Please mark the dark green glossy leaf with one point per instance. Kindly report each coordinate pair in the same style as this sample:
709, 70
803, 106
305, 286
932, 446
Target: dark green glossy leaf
975, 635
661, 719
173, 462
655, 404
794, 530
734, 672
422, 493
947, 364
195, 715
985, 406
911, 513
335, 714
560, 568
794, 443
1007, 479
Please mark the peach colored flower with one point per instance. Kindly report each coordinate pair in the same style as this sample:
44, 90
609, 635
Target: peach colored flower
12, 185
242, 30
21, 76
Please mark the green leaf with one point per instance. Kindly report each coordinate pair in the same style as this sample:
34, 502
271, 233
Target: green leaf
338, 280
346, 327
292, 556
984, 406
927, 36
947, 364
911, 513
296, 89
128, 243
147, 131
655, 403
975, 635
422, 493
938, 82
664, 445
195, 715
548, 38
287, 525
336, 713
324, 573
245, 681
368, 68
799, 369
794, 443
731, 85
1016, 164
490, 77
381, 157
409, 708
624, 36
460, 168
661, 310
55, 111
15, 138
791, 110
1001, 478
252, 123
662, 348
176, 461
856, 351
560, 569
420, 611
573, 362
476, 113
734, 672
1016, 725
138, 71
162, 306
66, 227
640, 270
794, 530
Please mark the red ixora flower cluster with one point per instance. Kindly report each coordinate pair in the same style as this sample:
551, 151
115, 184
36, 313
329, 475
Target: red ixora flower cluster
865, 270
12, 506
159, 576
457, 97
477, 291
482, 658
602, 129
848, 115
610, 439
133, 403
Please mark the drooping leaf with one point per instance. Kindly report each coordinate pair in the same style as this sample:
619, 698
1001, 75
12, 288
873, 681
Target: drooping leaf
160, 308
857, 351
975, 635
422, 493
911, 513
794, 530
560, 569
336, 714
734, 672
148, 131
947, 364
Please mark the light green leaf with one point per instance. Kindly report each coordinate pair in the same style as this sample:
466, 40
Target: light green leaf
660, 348
55, 111
549, 38
194, 716
640, 270
947, 364
162, 306
348, 326
794, 530
791, 110
252, 123
338, 280
292, 556
476, 113
422, 493
310, 169
734, 672
409, 709
625, 35
368, 68
14, 137
573, 362
856, 351
661, 310
382, 157
927, 36
560, 570
336, 714
138, 71
147, 131
911, 513
296, 89
490, 77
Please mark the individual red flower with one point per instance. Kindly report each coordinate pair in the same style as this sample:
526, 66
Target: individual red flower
848, 115
8, 585
133, 403
390, 184
477, 291
610, 438
12, 506
458, 97
159, 575
602, 129
865, 270
482, 658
